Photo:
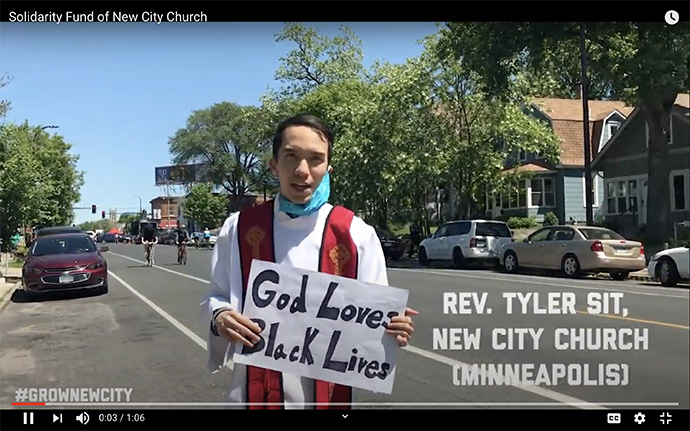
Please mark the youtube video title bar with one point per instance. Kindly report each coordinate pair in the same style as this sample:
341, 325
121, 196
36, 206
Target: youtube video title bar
146, 419
61, 12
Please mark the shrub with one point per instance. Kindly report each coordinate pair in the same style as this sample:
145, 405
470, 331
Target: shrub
551, 219
522, 222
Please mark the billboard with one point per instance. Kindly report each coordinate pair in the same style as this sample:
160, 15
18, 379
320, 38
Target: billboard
182, 174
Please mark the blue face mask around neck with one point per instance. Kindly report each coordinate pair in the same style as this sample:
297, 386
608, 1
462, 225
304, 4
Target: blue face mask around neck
318, 199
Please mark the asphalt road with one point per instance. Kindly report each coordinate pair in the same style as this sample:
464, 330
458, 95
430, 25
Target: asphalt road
146, 334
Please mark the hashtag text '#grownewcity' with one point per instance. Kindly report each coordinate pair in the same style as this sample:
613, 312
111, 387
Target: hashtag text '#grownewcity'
73, 395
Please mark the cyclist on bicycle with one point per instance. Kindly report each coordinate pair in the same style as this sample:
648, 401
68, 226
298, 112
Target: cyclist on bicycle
181, 238
148, 238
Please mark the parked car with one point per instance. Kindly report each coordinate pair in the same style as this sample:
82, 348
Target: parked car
670, 266
575, 250
166, 236
66, 261
465, 241
110, 237
393, 247
198, 240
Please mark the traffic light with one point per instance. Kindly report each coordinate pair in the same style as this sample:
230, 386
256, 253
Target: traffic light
102, 214
93, 209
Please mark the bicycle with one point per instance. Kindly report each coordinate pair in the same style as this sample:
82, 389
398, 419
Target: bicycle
148, 251
182, 253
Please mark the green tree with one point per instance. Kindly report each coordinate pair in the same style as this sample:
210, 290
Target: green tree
204, 207
61, 175
232, 140
393, 143
324, 76
127, 220
476, 136
39, 182
5, 105
22, 188
644, 63
317, 59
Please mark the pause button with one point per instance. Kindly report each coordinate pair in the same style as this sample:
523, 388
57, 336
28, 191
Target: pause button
28, 418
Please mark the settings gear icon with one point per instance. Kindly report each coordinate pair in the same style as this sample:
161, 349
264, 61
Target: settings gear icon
639, 418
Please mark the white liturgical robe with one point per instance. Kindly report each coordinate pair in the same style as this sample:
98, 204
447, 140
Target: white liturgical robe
297, 242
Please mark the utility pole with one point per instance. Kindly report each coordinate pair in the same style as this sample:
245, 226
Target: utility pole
585, 122
140, 208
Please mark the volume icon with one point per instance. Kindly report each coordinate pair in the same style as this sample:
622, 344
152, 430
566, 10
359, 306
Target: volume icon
83, 418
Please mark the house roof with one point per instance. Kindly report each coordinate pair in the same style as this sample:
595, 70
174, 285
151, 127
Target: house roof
530, 167
682, 100
566, 121
571, 109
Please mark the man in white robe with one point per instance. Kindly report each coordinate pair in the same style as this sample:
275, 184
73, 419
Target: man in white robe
301, 152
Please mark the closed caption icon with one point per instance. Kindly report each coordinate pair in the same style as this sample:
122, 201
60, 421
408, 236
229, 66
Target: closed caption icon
613, 418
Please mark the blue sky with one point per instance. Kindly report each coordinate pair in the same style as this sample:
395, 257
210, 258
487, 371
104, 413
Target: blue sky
119, 91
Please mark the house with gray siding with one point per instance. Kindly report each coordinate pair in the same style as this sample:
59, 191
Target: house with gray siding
624, 162
559, 187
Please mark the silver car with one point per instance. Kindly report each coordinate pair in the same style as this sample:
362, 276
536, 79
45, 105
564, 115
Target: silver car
575, 250
465, 241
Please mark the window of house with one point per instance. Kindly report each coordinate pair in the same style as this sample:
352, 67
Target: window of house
522, 194
621, 196
516, 198
543, 192
612, 127
522, 155
611, 198
680, 190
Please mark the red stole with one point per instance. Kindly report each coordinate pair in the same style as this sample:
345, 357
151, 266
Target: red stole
338, 256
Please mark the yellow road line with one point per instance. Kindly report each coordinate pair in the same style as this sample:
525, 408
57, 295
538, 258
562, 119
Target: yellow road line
632, 319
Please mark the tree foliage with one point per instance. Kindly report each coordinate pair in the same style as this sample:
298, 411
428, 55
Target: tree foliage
317, 59
229, 138
5, 105
401, 130
204, 207
39, 180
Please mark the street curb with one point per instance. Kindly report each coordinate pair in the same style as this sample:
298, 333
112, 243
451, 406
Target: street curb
634, 277
630, 277
6, 293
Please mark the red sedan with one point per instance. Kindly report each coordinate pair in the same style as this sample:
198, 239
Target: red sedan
68, 261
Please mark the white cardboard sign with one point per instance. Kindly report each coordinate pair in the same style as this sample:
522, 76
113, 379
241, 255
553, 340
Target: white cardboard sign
322, 326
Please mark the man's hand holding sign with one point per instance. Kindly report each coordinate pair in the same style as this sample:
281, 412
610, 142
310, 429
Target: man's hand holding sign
320, 326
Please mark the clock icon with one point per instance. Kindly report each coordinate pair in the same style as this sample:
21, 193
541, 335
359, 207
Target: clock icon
672, 17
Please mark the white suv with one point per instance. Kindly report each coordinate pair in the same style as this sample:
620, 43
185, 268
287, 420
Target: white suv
465, 241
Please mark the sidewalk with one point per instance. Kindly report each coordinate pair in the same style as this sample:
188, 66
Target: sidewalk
9, 281
8, 286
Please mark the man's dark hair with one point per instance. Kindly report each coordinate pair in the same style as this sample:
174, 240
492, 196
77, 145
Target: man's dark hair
307, 120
